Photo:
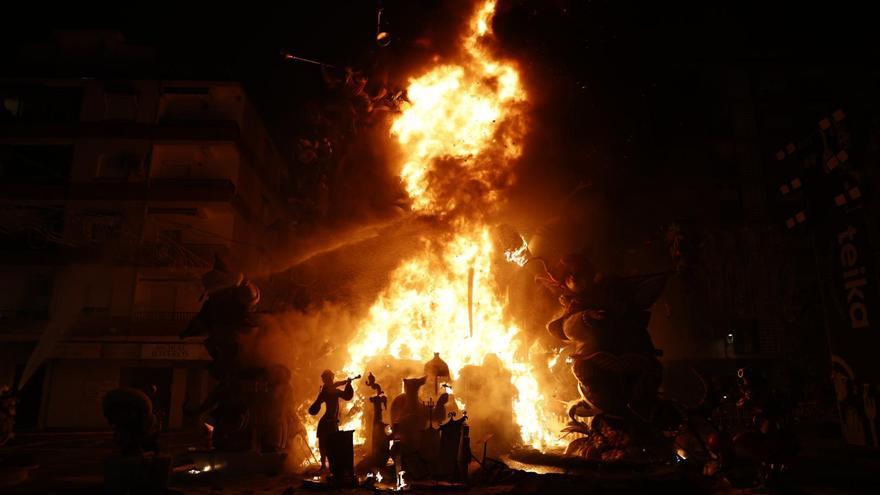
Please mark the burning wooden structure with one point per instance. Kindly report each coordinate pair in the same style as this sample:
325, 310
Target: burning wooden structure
459, 135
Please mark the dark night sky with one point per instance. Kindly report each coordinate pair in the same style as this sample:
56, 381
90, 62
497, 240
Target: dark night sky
611, 51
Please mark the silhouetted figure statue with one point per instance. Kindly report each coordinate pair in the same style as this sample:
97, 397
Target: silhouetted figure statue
378, 450
329, 395
136, 468
228, 311
250, 406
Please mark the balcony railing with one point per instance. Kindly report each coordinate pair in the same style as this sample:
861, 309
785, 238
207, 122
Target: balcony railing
173, 254
25, 313
185, 108
163, 315
191, 189
192, 182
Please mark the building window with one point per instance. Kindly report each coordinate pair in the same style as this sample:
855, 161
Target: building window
25, 293
167, 298
98, 297
175, 236
120, 166
11, 109
185, 90
10, 293
29, 226
101, 225
192, 104
35, 163
121, 106
156, 210
731, 204
56, 104
743, 336
180, 169
37, 296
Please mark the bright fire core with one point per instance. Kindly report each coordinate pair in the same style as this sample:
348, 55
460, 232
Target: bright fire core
460, 132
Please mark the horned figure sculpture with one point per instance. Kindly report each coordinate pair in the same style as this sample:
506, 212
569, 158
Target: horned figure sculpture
614, 360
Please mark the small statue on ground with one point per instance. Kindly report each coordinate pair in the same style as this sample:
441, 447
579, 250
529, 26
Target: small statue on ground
136, 466
378, 450
130, 414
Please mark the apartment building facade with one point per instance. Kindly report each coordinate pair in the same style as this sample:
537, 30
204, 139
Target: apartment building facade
115, 197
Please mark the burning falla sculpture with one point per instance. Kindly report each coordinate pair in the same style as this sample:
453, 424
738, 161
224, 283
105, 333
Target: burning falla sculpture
249, 406
614, 361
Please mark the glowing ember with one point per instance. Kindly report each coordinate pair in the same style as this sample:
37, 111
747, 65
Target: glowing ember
461, 132
551, 363
520, 255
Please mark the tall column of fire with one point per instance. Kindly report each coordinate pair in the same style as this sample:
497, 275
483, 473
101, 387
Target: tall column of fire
460, 136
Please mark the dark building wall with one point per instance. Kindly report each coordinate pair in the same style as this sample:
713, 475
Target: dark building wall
115, 194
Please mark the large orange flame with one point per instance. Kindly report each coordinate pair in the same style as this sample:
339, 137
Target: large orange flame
459, 137
469, 112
